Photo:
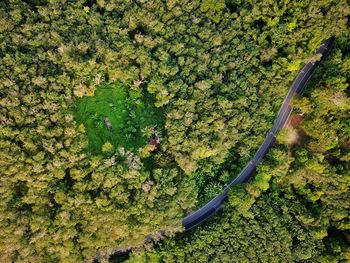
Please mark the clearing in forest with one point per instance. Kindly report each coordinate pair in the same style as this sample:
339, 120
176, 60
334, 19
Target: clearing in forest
116, 116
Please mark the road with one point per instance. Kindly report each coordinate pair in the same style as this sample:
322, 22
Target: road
196, 218
283, 114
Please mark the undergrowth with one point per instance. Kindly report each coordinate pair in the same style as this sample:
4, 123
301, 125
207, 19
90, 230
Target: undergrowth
116, 116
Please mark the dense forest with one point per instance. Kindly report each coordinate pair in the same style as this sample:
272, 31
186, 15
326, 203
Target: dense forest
296, 209
120, 117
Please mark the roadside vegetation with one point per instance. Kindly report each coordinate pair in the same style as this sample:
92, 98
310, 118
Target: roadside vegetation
120, 117
296, 209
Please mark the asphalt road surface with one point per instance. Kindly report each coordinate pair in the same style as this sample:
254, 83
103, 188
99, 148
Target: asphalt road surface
283, 114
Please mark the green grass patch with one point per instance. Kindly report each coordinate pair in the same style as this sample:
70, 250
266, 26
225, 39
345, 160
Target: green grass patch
117, 115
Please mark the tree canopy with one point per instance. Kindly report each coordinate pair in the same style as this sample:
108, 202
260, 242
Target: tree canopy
296, 209
210, 74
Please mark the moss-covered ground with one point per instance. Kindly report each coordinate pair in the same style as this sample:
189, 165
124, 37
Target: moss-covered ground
127, 111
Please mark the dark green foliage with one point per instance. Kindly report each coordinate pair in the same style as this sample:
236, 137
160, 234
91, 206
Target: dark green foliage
218, 70
296, 209
269, 235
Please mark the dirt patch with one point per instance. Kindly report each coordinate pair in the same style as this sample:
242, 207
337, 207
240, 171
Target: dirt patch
295, 120
294, 124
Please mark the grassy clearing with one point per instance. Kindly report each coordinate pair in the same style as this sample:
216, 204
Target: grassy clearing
117, 115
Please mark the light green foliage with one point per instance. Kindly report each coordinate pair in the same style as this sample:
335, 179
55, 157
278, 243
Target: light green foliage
107, 147
219, 71
126, 112
320, 175
303, 194
232, 238
288, 136
213, 8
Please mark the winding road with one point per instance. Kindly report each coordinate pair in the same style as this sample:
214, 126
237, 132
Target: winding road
283, 114
204, 213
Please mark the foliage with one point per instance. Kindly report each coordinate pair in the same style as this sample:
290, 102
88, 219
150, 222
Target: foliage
116, 116
296, 209
218, 70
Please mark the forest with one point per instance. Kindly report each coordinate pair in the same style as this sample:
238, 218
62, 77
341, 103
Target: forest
120, 117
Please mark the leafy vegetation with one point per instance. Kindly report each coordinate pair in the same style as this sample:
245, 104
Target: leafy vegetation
74, 187
117, 117
296, 209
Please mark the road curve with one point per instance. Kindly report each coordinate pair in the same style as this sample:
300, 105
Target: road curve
284, 112
202, 214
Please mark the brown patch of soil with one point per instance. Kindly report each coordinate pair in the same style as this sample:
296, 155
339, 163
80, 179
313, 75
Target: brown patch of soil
295, 120
294, 123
